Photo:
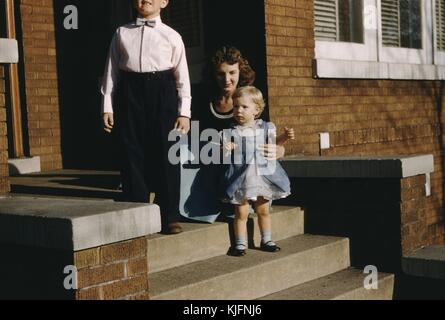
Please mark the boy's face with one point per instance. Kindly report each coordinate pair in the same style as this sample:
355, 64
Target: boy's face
149, 8
245, 110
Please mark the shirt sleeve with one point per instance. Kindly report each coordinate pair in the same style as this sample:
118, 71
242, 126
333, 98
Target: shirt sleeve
181, 72
111, 75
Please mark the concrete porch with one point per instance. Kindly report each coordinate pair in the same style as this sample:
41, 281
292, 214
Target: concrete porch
124, 268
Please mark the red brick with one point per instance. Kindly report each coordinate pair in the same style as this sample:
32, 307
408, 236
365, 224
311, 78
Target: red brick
121, 289
124, 250
137, 266
98, 275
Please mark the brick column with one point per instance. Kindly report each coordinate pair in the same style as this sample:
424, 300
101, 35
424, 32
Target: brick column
4, 182
413, 221
117, 271
45, 243
41, 82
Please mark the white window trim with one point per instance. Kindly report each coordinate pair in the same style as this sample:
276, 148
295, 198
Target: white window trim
406, 55
342, 60
349, 50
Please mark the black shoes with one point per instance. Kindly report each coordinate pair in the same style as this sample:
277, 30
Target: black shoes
237, 252
269, 247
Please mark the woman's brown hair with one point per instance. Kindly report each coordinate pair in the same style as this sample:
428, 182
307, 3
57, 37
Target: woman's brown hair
231, 56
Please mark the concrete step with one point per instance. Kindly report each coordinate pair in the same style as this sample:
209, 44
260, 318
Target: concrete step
302, 258
347, 284
60, 223
201, 241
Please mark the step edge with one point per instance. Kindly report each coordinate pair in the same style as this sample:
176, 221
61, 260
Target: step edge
339, 242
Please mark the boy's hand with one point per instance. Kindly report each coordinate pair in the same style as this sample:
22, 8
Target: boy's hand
182, 124
108, 122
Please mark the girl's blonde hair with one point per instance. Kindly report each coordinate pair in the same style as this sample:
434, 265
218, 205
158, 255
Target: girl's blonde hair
254, 94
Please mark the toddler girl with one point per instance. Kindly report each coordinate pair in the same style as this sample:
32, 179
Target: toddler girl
251, 176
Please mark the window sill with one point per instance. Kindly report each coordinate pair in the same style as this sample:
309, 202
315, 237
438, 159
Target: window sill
346, 69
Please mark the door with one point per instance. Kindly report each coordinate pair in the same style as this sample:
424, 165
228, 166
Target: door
81, 56
203, 24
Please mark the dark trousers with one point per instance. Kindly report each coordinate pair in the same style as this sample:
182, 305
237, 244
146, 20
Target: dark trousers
148, 109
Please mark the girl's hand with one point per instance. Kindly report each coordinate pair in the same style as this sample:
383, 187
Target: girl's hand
272, 151
108, 121
287, 135
228, 147
182, 124
290, 135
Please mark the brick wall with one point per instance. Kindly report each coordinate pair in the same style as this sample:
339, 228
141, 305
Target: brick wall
4, 183
363, 117
41, 81
414, 231
117, 271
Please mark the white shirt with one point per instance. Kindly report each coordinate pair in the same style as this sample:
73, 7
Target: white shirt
146, 49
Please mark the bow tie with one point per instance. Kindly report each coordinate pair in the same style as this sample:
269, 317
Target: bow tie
143, 22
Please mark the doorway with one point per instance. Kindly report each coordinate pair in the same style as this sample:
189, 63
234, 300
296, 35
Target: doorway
81, 54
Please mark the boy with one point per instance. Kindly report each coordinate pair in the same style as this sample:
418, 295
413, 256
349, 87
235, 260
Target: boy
148, 60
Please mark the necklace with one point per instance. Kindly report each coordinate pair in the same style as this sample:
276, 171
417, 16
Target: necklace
218, 115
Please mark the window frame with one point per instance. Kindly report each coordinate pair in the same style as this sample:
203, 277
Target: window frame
350, 50
439, 56
339, 60
408, 55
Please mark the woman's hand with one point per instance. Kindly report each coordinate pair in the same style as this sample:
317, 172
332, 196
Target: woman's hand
182, 124
272, 151
108, 121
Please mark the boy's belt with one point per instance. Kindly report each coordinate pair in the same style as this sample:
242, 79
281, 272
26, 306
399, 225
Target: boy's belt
155, 75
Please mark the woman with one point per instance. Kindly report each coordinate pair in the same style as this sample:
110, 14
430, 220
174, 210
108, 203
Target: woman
199, 199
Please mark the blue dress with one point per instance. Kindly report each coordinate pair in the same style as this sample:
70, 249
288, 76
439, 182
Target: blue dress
249, 175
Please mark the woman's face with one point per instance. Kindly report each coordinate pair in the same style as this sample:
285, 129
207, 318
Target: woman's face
227, 77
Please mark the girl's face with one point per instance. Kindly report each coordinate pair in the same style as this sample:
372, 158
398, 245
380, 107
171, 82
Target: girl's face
149, 8
245, 110
227, 77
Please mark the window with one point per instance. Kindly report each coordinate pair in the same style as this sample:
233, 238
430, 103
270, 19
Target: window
340, 32
439, 31
440, 24
339, 20
401, 24
395, 39
404, 31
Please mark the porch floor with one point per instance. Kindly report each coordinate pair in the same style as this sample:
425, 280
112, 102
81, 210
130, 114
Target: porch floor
86, 184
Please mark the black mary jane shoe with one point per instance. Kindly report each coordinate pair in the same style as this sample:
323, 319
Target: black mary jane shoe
269, 247
237, 252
